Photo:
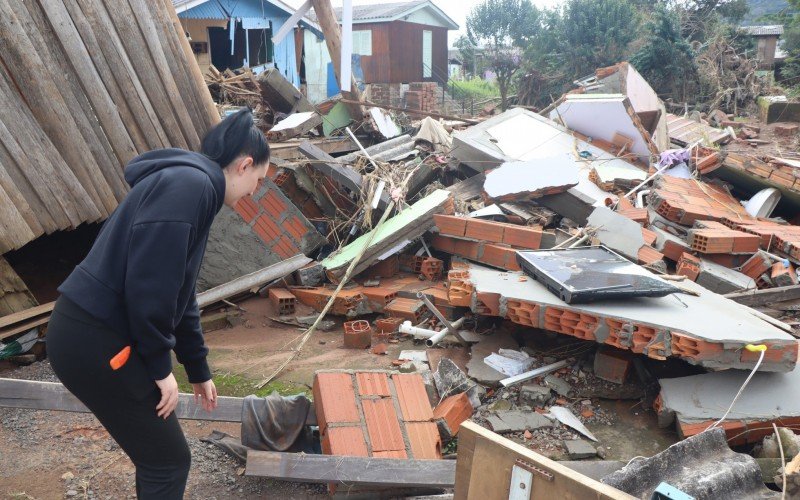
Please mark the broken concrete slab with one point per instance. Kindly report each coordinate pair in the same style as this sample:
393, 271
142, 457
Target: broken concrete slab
480, 371
450, 380
561, 386
534, 395
720, 279
703, 467
294, 125
658, 326
578, 449
580, 112
697, 401
503, 422
622, 78
409, 224
527, 180
617, 232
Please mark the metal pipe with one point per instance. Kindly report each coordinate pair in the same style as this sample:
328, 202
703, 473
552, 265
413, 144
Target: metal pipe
424, 298
407, 328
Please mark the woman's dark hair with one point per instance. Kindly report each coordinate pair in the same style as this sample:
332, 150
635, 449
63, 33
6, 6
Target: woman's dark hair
233, 137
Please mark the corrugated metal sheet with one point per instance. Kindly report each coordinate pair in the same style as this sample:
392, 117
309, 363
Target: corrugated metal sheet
207, 10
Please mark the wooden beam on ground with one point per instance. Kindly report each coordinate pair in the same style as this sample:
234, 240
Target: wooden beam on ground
363, 471
54, 396
481, 450
767, 296
252, 281
414, 111
333, 39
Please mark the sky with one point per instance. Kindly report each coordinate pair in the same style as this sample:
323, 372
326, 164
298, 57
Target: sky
456, 9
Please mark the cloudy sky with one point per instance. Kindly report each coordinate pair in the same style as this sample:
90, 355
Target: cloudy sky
456, 9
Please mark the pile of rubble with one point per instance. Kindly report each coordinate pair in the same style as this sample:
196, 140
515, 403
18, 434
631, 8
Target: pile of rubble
488, 247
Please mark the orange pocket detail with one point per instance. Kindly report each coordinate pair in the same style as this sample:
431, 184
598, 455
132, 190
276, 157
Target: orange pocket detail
119, 360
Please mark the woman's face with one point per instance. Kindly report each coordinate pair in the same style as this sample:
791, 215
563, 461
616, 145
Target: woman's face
241, 179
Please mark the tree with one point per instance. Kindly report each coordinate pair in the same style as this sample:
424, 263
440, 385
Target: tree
467, 51
666, 59
596, 33
502, 27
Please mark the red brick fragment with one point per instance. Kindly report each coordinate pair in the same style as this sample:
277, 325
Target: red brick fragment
454, 410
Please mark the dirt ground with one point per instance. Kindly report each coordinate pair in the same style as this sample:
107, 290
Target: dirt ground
45, 454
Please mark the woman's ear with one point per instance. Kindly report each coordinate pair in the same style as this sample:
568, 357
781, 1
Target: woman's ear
243, 164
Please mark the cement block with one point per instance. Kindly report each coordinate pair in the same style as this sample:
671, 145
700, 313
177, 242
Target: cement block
578, 449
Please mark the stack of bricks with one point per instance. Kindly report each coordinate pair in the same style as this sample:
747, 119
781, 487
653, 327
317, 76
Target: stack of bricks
688, 200
375, 414
775, 237
278, 222
488, 242
782, 175
385, 93
423, 96
714, 237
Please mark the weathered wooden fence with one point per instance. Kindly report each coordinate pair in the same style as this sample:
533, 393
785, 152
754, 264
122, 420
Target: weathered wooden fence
86, 85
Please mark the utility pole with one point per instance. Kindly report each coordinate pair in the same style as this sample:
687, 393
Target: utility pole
333, 39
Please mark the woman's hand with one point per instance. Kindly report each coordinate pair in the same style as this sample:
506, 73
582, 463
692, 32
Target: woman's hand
169, 396
205, 393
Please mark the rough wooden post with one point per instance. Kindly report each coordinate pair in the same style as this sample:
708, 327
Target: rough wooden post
333, 39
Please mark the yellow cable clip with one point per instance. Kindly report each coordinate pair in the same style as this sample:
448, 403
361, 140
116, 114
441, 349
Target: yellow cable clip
756, 348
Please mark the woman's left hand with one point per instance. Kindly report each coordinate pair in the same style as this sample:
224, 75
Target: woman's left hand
205, 393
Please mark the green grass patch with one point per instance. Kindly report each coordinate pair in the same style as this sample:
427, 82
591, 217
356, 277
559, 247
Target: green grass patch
229, 384
474, 88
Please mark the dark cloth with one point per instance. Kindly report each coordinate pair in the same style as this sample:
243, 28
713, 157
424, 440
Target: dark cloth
272, 423
124, 401
139, 277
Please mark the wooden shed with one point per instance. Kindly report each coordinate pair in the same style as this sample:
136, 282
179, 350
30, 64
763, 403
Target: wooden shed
392, 43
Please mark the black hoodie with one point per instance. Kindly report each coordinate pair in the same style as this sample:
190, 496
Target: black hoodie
139, 277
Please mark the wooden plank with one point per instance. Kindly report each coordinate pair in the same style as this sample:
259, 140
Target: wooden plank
54, 191
28, 314
252, 280
18, 200
13, 290
97, 93
71, 85
47, 104
23, 327
176, 60
432, 114
36, 395
125, 75
101, 65
483, 450
156, 49
361, 471
766, 296
211, 112
135, 46
326, 164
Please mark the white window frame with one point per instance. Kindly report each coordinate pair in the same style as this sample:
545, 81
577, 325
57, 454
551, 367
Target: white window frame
362, 42
427, 67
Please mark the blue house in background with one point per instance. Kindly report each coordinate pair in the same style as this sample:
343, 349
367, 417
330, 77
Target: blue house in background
238, 33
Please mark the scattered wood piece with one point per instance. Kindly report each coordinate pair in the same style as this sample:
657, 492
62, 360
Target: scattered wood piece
54, 396
351, 470
766, 296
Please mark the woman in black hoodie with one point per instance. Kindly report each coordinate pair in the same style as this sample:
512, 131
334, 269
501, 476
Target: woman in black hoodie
132, 299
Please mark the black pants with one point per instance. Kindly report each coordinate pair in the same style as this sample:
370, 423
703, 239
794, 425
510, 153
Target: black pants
123, 400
